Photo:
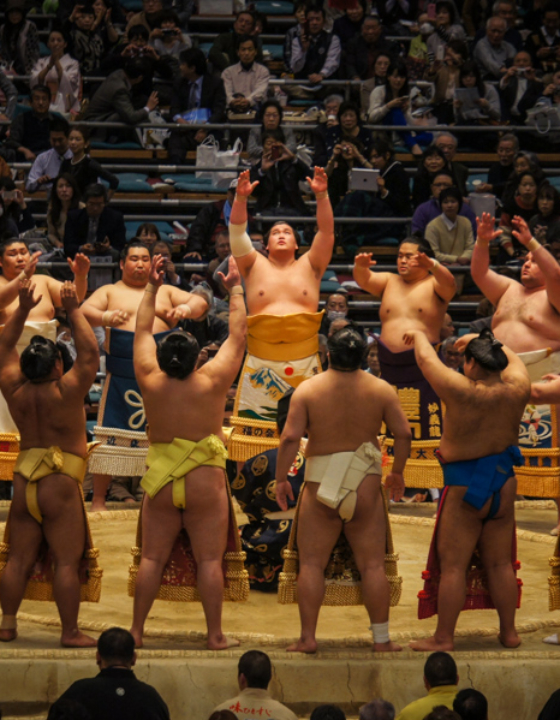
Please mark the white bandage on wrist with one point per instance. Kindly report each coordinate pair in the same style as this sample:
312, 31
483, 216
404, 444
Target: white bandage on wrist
239, 242
380, 632
106, 318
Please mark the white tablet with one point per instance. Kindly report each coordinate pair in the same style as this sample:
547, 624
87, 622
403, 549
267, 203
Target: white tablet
364, 179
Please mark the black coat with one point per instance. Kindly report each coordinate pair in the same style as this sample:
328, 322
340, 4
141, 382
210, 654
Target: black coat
212, 96
111, 225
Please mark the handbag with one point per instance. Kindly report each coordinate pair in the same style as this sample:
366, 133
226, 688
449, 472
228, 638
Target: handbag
545, 119
208, 154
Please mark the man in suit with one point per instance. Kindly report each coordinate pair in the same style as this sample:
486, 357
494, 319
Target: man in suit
361, 50
95, 229
195, 90
113, 100
447, 143
223, 52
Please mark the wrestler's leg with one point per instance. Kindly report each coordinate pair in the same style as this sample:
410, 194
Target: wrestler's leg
556, 530
367, 534
25, 540
495, 549
100, 486
318, 529
161, 523
64, 526
459, 529
205, 518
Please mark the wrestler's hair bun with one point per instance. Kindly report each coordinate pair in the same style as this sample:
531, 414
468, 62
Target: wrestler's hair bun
38, 359
487, 351
177, 354
346, 349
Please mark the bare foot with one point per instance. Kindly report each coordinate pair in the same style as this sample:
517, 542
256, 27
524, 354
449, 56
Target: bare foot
303, 646
77, 639
222, 643
386, 647
129, 500
510, 640
555, 531
431, 645
98, 505
138, 641
8, 635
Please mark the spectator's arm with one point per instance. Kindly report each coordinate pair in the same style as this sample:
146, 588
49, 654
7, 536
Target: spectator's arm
298, 55
37, 171
217, 55
219, 104
261, 88
113, 180
332, 61
10, 93
125, 109
228, 86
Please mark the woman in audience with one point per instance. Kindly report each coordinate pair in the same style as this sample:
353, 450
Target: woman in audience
19, 41
545, 225
106, 13
448, 27
445, 76
523, 204
524, 162
61, 74
381, 63
166, 38
297, 31
372, 359
394, 188
65, 196
270, 116
148, 233
433, 161
86, 170
85, 39
487, 108
15, 206
390, 104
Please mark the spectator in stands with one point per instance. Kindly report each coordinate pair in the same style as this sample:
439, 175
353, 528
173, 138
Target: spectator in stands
85, 42
417, 59
470, 704
196, 89
65, 196
209, 330
349, 25
315, 56
440, 680
451, 236
523, 204
222, 249
8, 228
212, 219
85, 169
105, 14
523, 162
297, 30
279, 173
487, 108
551, 708
377, 709
8, 89
148, 16
447, 329
393, 184
321, 153
19, 40
47, 165
499, 172
246, 82
447, 27
429, 210
167, 38
270, 116
254, 673
432, 162
381, 63
61, 73
148, 233
506, 9
520, 89
97, 229
30, 131
440, 712
545, 225
113, 99
373, 368
390, 104
445, 76
336, 308
327, 712
492, 53
448, 144
115, 693
15, 206
171, 277
543, 44
223, 52
363, 50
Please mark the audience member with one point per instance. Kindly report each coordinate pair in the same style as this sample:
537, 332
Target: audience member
543, 42
332, 106
171, 276
115, 693
377, 709
440, 712
470, 704
519, 88
316, 55
167, 38
85, 42
447, 328
212, 219
30, 131
486, 107
524, 205
327, 712
348, 26
363, 50
8, 227
148, 16
96, 229
448, 27
432, 162
393, 184
107, 12
47, 165
551, 708
296, 31
113, 99
149, 234
61, 73
448, 144
445, 76
430, 209
196, 89
254, 673
440, 680
391, 14
522, 163
506, 9
418, 60
493, 52
246, 82
10, 93
223, 52
270, 116
373, 368
499, 172
452, 357
209, 330
545, 225
15, 206
85, 169
19, 40
65, 196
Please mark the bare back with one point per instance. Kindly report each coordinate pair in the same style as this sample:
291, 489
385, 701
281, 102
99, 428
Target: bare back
410, 306
45, 286
281, 290
482, 419
345, 409
525, 320
48, 413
